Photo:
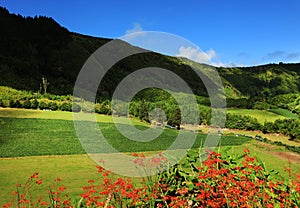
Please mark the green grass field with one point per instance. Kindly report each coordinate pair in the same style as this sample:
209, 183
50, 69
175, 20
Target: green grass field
76, 170
34, 137
284, 112
260, 115
30, 134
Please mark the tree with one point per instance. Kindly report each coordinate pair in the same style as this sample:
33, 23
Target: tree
143, 114
44, 85
175, 119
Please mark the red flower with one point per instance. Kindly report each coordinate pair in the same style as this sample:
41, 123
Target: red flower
35, 175
91, 181
61, 188
135, 154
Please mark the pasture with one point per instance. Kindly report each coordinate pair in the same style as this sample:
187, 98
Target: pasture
260, 115
46, 142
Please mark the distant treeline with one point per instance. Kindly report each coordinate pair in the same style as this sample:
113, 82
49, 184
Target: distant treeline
290, 102
143, 108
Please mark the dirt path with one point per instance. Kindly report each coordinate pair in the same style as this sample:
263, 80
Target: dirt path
273, 150
290, 156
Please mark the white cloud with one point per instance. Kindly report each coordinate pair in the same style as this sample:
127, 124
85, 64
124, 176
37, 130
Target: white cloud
134, 34
196, 54
207, 57
136, 28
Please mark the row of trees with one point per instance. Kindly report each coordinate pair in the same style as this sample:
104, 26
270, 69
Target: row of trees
290, 127
38, 104
234, 121
160, 112
290, 102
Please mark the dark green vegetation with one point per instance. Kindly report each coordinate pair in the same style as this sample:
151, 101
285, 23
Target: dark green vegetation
32, 48
43, 58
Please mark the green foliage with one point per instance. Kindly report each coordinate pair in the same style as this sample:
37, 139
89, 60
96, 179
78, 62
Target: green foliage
43, 105
87, 107
32, 48
242, 122
261, 106
134, 108
53, 105
42, 48
66, 106
287, 101
174, 119
104, 108
290, 127
219, 181
264, 81
244, 103
26, 104
76, 107
15, 104
205, 115
120, 108
34, 104
143, 113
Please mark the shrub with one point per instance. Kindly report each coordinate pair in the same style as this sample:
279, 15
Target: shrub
15, 104
220, 181
53, 106
290, 127
261, 106
76, 107
134, 108
120, 108
5, 103
245, 103
105, 107
66, 106
87, 107
174, 119
26, 104
234, 121
43, 105
34, 104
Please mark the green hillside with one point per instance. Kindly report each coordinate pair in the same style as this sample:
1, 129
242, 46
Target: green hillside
36, 47
32, 48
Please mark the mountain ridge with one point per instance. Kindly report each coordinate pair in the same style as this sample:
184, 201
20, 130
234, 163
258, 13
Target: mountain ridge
36, 47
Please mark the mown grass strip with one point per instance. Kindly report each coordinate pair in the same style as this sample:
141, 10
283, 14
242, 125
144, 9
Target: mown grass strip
34, 137
284, 112
260, 115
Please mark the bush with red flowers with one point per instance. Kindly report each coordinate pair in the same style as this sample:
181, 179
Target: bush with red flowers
219, 181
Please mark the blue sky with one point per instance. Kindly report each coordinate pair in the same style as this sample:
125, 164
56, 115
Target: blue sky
238, 32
